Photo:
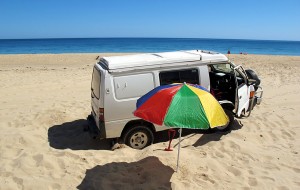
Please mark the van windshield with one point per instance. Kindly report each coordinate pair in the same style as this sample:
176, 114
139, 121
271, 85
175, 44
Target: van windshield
224, 68
96, 83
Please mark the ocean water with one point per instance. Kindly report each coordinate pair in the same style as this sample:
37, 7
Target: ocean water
104, 45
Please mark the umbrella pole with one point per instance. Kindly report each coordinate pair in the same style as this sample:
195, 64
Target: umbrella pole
180, 130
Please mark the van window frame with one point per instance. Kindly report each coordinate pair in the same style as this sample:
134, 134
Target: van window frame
179, 70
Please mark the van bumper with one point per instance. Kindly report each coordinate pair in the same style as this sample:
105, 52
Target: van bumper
92, 128
257, 99
259, 95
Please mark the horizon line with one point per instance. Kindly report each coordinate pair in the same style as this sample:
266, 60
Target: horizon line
146, 38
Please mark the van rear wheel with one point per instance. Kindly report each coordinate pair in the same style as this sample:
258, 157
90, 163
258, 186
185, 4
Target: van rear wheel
138, 137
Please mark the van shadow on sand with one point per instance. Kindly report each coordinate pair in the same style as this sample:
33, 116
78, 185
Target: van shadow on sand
72, 135
148, 173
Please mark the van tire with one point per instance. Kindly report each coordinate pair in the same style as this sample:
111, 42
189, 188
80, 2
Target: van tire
229, 125
252, 75
138, 136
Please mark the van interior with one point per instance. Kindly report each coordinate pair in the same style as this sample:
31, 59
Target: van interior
224, 82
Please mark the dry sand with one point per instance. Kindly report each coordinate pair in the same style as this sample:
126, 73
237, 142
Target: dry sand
44, 102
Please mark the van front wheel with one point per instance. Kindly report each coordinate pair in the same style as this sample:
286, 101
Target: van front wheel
138, 137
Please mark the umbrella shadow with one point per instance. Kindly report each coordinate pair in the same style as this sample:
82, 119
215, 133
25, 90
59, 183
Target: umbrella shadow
71, 135
148, 173
162, 136
205, 138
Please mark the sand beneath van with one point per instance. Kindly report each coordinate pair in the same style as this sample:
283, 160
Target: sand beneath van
45, 100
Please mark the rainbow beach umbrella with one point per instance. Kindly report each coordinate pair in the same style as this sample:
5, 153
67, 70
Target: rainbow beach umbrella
181, 106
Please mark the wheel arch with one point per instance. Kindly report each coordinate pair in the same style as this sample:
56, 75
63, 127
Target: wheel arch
136, 122
227, 104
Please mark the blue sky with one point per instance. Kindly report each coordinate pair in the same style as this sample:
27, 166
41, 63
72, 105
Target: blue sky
230, 19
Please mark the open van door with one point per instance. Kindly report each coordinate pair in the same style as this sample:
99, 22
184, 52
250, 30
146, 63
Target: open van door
95, 94
242, 92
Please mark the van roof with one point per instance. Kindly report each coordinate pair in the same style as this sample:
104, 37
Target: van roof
140, 61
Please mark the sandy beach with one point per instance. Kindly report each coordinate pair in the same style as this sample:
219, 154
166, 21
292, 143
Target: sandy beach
45, 99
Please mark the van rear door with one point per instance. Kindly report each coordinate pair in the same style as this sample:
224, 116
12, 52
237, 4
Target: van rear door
95, 94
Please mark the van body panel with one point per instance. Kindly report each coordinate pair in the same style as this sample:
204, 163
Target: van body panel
114, 128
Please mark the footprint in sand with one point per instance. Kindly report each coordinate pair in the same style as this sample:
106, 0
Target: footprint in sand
234, 146
219, 154
283, 188
38, 159
202, 154
10, 124
55, 186
252, 181
206, 178
286, 135
273, 136
61, 163
22, 141
19, 182
234, 171
268, 178
250, 172
297, 170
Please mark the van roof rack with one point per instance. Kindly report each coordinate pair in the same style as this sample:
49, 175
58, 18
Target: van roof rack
151, 60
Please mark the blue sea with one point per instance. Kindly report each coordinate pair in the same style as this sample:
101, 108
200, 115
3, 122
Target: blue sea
103, 45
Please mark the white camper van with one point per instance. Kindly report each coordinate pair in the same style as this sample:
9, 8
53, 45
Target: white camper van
118, 82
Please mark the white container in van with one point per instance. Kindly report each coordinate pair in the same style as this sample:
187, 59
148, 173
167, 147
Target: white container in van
118, 82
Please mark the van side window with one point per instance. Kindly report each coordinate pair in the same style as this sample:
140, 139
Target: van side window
179, 76
96, 83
